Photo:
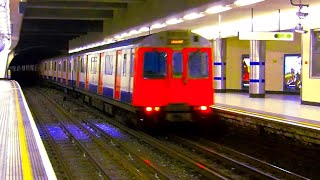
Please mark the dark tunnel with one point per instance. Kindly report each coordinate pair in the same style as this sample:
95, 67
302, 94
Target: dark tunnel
24, 67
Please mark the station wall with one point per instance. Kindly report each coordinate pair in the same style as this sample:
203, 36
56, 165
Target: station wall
274, 61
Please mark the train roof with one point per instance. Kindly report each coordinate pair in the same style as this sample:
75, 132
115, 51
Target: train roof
163, 38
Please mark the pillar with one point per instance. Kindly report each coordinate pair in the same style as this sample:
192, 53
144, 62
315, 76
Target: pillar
220, 65
257, 68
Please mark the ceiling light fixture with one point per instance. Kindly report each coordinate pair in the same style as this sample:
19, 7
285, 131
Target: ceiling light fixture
192, 16
174, 21
158, 25
132, 32
217, 9
246, 2
144, 29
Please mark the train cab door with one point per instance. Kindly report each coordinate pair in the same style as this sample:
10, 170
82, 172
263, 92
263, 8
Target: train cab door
197, 76
117, 81
176, 81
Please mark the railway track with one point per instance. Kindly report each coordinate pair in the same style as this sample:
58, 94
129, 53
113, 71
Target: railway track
209, 162
133, 156
252, 166
68, 158
102, 162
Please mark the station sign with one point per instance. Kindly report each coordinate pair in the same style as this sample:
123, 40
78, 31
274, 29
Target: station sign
275, 36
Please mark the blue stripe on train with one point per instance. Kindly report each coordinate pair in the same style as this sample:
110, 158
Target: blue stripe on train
81, 85
93, 88
107, 92
126, 96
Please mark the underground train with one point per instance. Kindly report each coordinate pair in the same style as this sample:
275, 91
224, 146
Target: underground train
166, 76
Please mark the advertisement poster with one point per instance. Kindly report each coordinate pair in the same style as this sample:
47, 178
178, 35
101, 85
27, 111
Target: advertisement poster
245, 71
292, 72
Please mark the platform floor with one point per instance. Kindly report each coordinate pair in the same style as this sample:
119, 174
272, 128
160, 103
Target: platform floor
283, 106
22, 153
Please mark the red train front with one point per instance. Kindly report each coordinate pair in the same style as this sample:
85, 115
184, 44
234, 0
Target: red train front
173, 77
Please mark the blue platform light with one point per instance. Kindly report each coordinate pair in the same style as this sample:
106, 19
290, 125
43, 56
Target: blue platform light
56, 132
112, 131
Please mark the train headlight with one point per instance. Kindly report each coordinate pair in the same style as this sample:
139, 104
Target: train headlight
148, 109
203, 108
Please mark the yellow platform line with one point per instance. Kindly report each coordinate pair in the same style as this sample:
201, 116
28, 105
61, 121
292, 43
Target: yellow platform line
279, 119
25, 157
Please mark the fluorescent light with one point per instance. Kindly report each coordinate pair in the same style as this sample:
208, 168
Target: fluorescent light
158, 25
246, 2
144, 29
132, 32
124, 35
217, 9
174, 21
193, 16
118, 37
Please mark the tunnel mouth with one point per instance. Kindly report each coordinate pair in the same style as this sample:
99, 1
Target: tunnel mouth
24, 66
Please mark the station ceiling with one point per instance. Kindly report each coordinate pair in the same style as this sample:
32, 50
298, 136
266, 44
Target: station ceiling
52, 23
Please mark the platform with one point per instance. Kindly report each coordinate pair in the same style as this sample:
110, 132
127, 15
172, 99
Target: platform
22, 152
286, 108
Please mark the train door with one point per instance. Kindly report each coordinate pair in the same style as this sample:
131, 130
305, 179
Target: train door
197, 76
69, 67
117, 82
177, 78
100, 71
86, 72
64, 71
74, 70
61, 72
78, 71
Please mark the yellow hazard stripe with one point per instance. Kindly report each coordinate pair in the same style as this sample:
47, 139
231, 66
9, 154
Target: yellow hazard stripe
25, 157
266, 116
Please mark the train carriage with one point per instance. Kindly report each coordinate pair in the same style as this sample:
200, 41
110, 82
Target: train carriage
167, 75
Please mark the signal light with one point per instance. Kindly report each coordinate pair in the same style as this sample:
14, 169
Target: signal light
157, 108
148, 109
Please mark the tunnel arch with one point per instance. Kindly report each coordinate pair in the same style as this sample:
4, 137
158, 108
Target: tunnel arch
23, 66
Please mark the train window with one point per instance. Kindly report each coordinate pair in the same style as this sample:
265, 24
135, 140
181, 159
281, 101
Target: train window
74, 65
69, 66
131, 62
59, 67
64, 66
124, 67
55, 66
82, 64
198, 65
177, 64
93, 69
45, 66
108, 65
154, 66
